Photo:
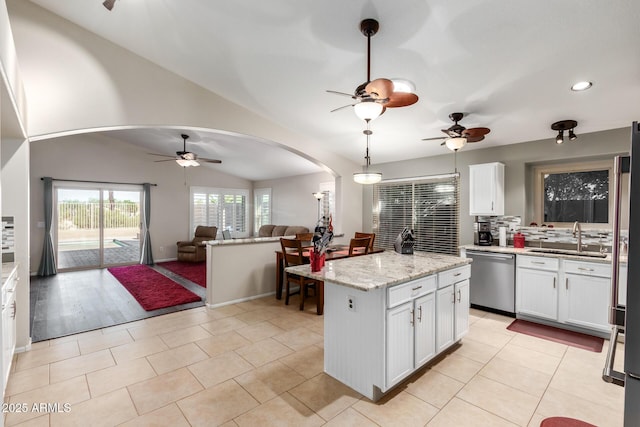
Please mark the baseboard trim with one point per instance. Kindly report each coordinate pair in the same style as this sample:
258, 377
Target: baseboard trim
222, 304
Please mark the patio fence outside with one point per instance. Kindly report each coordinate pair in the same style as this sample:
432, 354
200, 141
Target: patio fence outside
81, 220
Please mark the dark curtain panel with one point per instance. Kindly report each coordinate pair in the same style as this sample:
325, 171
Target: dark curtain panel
48, 261
147, 256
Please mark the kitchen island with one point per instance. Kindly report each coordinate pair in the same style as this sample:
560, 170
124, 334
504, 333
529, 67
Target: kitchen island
386, 315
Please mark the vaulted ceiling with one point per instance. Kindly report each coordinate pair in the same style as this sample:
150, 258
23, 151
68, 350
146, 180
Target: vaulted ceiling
508, 65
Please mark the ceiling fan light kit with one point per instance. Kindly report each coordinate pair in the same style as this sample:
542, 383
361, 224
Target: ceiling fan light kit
387, 93
561, 127
454, 144
368, 110
580, 86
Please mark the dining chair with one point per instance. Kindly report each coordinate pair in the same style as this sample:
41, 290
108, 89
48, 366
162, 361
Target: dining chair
305, 237
292, 253
359, 246
372, 236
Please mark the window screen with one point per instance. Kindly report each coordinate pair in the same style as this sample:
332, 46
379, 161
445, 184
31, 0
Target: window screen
430, 206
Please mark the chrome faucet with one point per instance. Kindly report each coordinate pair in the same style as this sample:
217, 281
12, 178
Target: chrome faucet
577, 229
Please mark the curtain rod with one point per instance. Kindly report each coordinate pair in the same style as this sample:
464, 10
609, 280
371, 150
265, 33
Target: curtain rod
98, 182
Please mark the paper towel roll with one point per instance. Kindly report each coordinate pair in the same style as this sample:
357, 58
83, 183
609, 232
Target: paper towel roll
503, 236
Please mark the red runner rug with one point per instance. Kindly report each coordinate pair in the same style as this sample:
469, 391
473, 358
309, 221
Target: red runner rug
194, 271
150, 288
562, 336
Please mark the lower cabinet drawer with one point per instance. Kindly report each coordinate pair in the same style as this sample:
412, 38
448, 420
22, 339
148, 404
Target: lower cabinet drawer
587, 268
454, 275
407, 291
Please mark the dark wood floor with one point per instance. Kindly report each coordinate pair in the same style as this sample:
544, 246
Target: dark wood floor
80, 301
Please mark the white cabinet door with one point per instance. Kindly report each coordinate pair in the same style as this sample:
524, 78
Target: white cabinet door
445, 322
8, 334
586, 301
425, 329
486, 189
537, 293
400, 342
462, 305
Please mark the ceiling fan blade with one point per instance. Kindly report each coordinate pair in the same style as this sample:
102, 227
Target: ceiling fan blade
161, 155
443, 143
342, 93
340, 108
200, 159
433, 139
168, 160
379, 88
475, 132
474, 138
401, 99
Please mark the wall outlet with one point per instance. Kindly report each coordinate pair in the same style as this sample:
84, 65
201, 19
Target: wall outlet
351, 303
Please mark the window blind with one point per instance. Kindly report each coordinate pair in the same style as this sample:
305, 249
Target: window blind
224, 208
430, 206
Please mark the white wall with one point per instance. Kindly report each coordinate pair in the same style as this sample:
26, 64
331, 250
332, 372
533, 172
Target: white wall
292, 199
517, 158
98, 158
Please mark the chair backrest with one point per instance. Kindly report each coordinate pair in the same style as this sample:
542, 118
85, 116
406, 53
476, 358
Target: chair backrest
292, 252
204, 233
372, 236
359, 246
305, 237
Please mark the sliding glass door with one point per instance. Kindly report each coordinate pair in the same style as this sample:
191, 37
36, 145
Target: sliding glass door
97, 227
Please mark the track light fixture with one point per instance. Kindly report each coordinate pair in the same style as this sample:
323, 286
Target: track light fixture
561, 127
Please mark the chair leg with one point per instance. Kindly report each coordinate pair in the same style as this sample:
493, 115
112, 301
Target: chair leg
303, 293
286, 299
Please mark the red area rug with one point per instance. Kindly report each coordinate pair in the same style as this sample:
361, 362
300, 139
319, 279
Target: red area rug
562, 336
150, 288
194, 271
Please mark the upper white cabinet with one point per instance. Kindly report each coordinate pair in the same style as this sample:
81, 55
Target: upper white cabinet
486, 189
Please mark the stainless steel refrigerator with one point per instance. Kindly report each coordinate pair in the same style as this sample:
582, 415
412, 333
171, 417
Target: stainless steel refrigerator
624, 313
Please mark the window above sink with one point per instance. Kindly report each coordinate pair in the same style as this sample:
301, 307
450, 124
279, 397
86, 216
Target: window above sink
578, 191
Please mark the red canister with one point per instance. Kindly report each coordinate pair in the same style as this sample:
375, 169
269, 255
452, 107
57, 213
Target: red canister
518, 240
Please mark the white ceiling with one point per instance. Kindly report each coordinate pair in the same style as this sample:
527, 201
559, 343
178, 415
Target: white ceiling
508, 64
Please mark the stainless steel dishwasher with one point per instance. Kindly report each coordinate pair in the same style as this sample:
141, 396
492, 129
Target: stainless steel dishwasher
493, 282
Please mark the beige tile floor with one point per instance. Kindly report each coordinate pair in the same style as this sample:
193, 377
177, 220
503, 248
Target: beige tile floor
261, 363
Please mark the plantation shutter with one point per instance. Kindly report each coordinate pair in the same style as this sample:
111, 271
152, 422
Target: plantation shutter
223, 208
430, 206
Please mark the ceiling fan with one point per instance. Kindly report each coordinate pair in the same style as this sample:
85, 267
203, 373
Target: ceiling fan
372, 98
457, 135
185, 158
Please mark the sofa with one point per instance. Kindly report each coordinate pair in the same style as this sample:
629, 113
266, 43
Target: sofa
195, 250
270, 230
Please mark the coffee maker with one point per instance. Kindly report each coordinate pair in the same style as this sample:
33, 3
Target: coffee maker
482, 233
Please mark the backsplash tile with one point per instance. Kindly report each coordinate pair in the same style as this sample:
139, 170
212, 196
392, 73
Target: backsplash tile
539, 236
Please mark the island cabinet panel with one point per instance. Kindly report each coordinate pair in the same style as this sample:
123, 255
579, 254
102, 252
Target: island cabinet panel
446, 318
354, 345
400, 342
462, 305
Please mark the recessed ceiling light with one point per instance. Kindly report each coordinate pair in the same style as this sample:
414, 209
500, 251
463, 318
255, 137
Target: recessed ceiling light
581, 86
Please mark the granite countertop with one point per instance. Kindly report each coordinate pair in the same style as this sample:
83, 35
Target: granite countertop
368, 272
528, 251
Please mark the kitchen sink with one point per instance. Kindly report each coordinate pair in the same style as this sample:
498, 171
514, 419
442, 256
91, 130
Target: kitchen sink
572, 252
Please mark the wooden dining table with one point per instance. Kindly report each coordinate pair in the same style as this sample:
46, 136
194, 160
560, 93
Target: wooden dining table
334, 252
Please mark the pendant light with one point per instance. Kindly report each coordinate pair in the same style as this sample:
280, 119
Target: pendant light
366, 176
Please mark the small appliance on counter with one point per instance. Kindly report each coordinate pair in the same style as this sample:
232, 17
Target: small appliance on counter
482, 233
404, 242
